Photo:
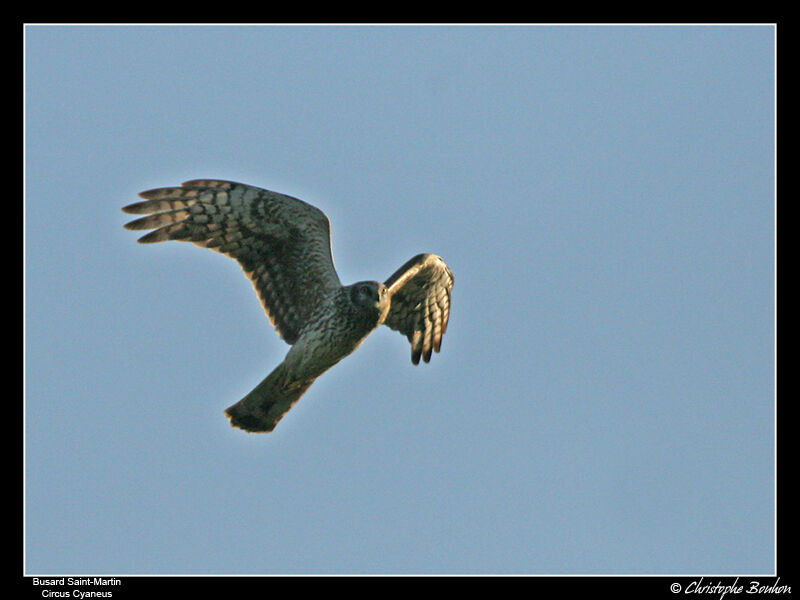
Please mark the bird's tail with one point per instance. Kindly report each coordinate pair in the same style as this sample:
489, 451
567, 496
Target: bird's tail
261, 409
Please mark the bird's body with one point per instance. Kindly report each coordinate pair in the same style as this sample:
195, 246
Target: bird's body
320, 346
283, 245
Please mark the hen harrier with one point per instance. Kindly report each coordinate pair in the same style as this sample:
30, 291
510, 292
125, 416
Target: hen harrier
283, 245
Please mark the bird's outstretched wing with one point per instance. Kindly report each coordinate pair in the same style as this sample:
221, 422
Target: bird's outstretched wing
282, 243
420, 309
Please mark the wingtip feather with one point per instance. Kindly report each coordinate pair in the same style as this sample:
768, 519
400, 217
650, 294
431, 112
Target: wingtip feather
133, 209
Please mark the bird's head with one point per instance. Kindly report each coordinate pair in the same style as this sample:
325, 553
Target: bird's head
371, 294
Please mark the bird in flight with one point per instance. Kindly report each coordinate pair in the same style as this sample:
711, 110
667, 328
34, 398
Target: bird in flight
283, 245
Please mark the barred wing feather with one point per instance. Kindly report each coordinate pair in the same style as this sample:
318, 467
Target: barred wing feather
420, 309
282, 243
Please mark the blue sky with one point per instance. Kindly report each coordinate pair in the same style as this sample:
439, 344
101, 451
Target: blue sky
604, 398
